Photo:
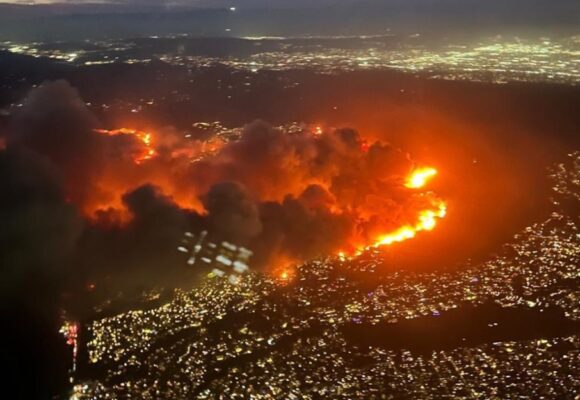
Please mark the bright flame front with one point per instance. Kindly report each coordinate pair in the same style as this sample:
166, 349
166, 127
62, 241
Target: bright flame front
420, 177
426, 222
426, 219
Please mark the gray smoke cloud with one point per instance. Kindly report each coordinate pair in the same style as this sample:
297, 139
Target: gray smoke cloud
287, 196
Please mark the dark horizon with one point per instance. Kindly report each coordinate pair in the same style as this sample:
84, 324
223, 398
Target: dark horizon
58, 21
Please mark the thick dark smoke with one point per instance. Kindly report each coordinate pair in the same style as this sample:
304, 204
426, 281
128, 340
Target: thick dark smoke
301, 228
55, 122
272, 164
141, 252
313, 194
38, 235
287, 196
50, 162
78, 211
39, 229
232, 212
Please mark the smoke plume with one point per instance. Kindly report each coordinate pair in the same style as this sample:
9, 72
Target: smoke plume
287, 195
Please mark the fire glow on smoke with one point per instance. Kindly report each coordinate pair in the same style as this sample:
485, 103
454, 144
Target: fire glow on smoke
290, 193
373, 226
426, 218
148, 150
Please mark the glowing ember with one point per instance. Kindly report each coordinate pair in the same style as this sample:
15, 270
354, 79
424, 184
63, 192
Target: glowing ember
284, 275
420, 177
144, 137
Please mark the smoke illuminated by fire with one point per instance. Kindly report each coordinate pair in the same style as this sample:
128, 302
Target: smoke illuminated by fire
148, 151
289, 193
426, 218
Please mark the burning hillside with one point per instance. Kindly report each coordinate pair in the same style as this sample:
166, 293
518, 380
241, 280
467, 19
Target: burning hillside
287, 194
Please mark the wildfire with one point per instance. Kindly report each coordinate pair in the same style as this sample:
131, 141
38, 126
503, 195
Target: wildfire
420, 177
426, 222
284, 274
144, 137
426, 219
418, 211
283, 277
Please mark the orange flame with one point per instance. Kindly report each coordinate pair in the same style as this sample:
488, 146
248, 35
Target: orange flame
144, 137
420, 177
426, 219
426, 222
284, 275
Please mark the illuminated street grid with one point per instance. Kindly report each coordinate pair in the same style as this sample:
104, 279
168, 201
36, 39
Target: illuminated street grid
494, 59
499, 62
268, 339
318, 367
